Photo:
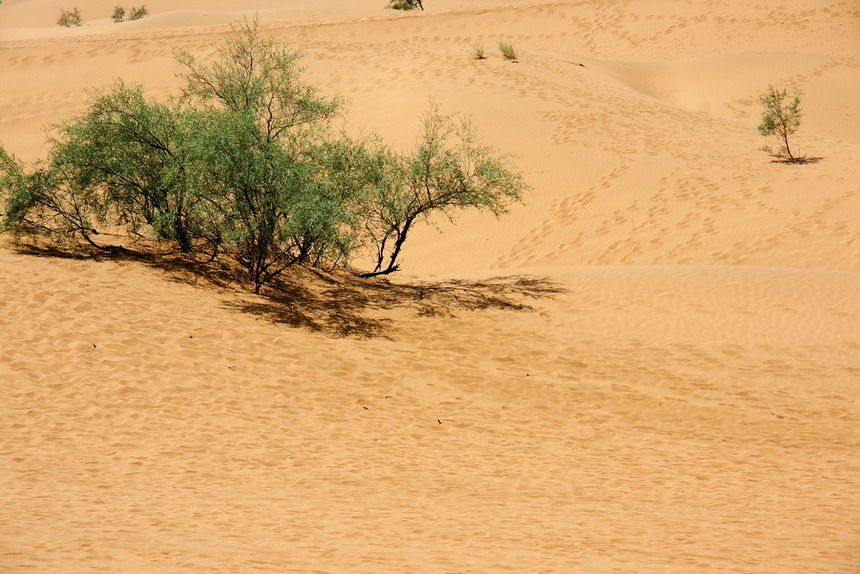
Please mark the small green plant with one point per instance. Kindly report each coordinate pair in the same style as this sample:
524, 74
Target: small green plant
780, 119
507, 51
118, 14
405, 4
137, 13
478, 49
69, 18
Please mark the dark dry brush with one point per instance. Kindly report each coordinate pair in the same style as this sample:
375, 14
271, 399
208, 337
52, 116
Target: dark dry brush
405, 4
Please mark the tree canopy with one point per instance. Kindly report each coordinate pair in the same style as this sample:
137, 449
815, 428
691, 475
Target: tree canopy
781, 119
246, 164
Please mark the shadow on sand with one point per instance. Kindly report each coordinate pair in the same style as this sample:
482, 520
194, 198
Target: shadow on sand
338, 304
796, 161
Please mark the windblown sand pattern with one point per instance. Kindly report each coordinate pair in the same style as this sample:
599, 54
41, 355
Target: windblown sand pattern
651, 366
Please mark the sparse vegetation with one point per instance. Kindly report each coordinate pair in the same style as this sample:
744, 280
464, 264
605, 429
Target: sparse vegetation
246, 165
405, 4
69, 18
508, 52
119, 13
780, 119
478, 50
137, 13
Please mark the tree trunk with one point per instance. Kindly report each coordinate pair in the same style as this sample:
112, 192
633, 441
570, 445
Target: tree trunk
181, 233
392, 259
787, 149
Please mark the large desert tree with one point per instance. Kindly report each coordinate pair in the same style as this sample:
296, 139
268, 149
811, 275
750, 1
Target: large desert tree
277, 186
246, 163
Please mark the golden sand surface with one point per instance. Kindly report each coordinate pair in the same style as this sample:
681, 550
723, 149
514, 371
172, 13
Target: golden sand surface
652, 365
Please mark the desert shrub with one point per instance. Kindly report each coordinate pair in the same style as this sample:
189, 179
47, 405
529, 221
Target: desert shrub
246, 163
69, 18
478, 50
448, 170
255, 151
137, 13
44, 201
508, 52
780, 119
127, 152
118, 14
405, 4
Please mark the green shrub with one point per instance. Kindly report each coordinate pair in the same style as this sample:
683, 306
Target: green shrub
507, 51
478, 49
449, 170
246, 164
69, 18
780, 119
137, 13
118, 14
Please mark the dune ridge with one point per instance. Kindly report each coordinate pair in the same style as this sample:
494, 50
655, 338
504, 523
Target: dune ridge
650, 366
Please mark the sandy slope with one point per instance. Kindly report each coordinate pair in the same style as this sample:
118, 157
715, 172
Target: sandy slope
651, 366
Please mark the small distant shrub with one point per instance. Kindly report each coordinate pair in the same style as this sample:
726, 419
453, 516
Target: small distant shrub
507, 51
405, 4
118, 14
69, 18
137, 13
478, 49
780, 119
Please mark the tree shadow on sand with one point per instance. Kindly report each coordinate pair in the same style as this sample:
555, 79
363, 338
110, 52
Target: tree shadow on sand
803, 160
347, 306
338, 304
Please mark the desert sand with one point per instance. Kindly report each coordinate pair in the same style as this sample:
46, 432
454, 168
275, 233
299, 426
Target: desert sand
652, 365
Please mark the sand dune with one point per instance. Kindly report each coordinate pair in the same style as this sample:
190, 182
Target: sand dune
650, 366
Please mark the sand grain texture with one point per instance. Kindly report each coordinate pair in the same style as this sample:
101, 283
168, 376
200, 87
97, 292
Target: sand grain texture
650, 366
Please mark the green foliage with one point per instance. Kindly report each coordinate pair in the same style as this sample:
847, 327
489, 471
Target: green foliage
405, 4
780, 119
258, 128
447, 171
246, 164
137, 13
127, 153
478, 49
44, 202
118, 14
69, 18
507, 51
